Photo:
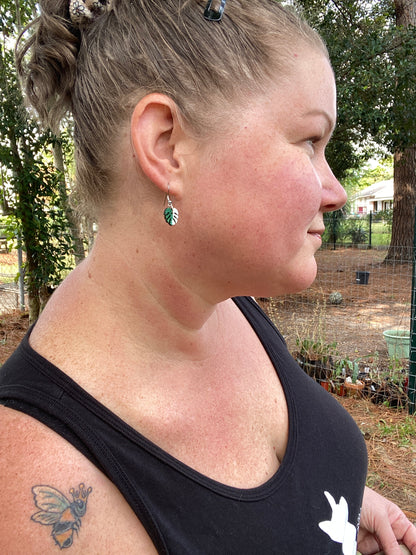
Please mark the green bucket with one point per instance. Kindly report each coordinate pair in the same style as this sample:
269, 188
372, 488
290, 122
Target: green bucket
398, 343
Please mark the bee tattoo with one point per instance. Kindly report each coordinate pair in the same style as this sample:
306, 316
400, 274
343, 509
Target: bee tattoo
59, 512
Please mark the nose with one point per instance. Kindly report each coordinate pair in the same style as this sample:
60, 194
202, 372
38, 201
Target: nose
333, 193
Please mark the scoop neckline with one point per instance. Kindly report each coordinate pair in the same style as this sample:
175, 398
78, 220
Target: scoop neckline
71, 387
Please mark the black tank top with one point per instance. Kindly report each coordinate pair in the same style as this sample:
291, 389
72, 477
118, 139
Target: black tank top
310, 506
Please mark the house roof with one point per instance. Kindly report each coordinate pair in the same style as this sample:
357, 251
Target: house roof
383, 190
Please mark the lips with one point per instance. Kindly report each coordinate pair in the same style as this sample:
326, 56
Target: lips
316, 232
318, 227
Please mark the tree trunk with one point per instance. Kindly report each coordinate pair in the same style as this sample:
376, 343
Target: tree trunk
404, 202
77, 240
401, 245
23, 212
405, 12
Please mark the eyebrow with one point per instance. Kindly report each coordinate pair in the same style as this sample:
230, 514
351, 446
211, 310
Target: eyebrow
318, 112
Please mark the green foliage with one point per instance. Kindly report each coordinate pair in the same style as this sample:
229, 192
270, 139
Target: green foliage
366, 175
346, 367
315, 349
13, 19
10, 228
375, 68
333, 226
31, 187
315, 356
355, 231
385, 216
51, 241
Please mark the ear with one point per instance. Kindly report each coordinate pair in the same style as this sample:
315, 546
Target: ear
155, 135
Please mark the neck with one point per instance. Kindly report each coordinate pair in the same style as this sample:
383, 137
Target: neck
155, 307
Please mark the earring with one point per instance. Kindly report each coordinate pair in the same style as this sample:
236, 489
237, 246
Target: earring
170, 214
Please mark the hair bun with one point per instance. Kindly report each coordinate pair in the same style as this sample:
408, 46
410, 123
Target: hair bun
84, 11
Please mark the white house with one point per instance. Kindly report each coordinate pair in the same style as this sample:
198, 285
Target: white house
374, 198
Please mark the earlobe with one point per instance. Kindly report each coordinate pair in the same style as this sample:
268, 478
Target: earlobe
154, 134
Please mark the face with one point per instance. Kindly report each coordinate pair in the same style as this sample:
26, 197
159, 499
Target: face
258, 193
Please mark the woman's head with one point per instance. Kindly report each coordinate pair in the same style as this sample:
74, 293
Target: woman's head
99, 67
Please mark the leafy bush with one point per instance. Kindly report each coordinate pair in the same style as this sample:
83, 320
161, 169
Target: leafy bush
355, 231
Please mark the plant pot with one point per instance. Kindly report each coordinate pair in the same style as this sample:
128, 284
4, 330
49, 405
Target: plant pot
341, 390
338, 387
398, 343
390, 393
362, 278
354, 389
325, 384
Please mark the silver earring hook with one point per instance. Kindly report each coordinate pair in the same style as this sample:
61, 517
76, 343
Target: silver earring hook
168, 198
170, 213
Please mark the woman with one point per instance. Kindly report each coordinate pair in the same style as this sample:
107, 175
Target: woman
169, 408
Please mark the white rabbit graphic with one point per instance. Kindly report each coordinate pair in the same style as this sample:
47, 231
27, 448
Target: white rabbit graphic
338, 528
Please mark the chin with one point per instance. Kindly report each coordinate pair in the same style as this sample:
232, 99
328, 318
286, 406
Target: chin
293, 283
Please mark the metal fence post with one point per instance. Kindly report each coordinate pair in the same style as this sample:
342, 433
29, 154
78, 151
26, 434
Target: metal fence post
369, 228
412, 360
21, 275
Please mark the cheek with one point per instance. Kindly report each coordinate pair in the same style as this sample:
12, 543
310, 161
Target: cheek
292, 198
270, 195
301, 195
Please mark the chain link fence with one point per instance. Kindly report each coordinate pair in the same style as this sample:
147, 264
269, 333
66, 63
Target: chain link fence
12, 295
366, 231
352, 326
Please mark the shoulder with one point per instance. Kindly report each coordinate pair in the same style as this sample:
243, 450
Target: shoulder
49, 489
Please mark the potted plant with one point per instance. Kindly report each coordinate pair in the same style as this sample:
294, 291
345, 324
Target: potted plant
316, 358
338, 379
354, 387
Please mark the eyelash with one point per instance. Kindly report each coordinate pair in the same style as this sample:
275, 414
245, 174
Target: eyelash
313, 140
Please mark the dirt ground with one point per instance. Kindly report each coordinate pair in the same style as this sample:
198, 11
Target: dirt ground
356, 325
392, 464
13, 326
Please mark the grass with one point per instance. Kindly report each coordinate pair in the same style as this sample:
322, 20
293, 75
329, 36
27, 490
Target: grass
402, 432
9, 267
380, 235
8, 272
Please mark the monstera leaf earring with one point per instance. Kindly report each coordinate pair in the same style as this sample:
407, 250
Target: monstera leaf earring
170, 213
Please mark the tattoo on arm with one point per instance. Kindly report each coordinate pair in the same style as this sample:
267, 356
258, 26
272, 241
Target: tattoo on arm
58, 511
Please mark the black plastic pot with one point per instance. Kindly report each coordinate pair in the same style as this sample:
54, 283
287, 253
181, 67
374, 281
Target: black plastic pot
362, 278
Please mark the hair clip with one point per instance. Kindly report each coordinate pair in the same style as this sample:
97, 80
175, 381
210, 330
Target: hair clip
214, 15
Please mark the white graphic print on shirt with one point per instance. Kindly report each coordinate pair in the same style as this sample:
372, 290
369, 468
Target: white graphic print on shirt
338, 528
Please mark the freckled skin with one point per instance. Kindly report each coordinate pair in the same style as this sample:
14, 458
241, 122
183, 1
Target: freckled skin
265, 191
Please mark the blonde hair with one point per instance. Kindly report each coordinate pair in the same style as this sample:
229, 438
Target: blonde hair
100, 70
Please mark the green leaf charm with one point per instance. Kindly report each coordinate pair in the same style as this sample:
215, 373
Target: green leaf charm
171, 215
